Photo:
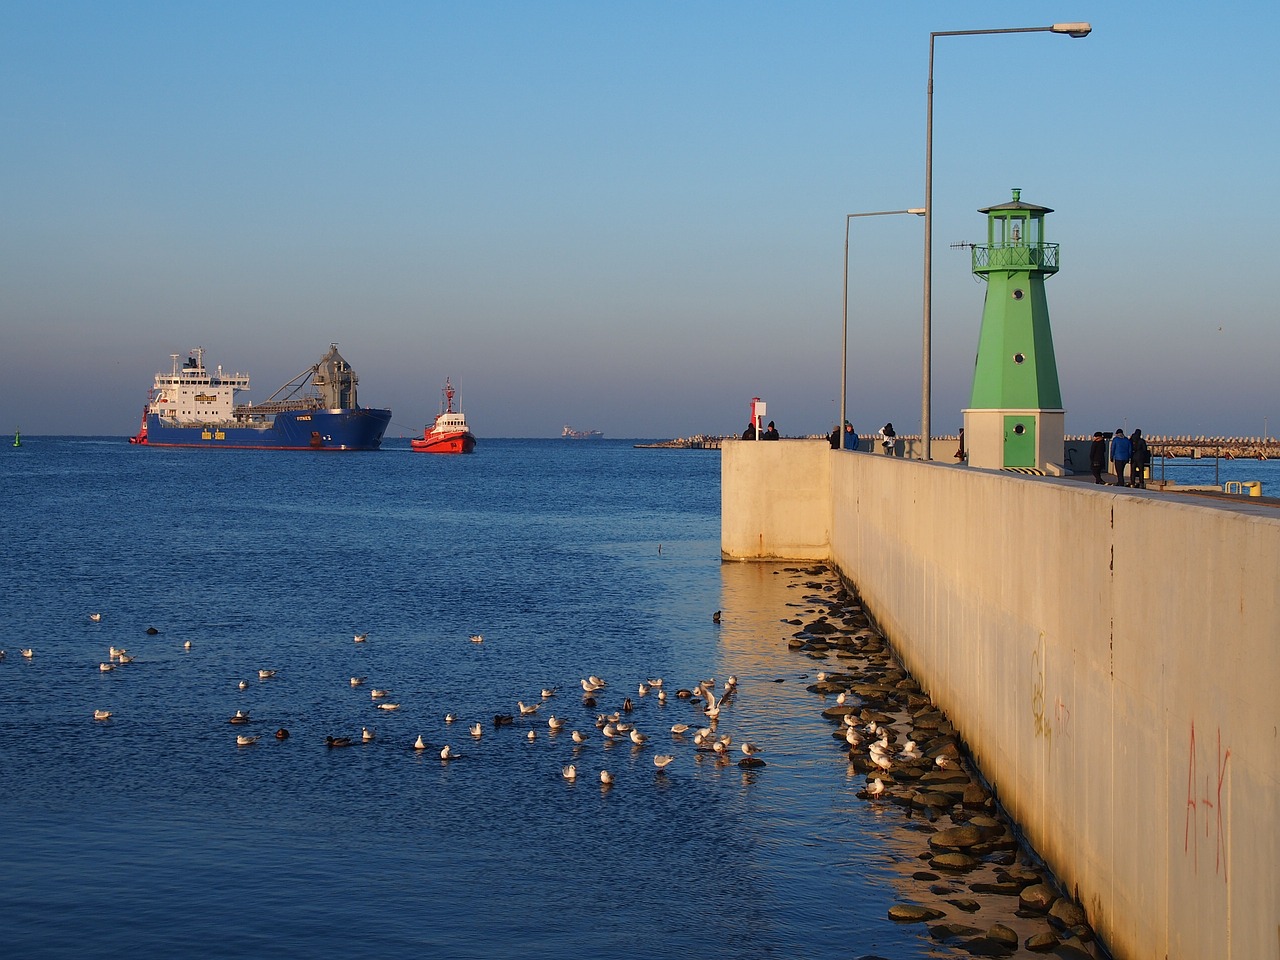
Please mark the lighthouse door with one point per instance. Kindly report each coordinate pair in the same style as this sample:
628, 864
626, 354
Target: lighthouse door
1020, 441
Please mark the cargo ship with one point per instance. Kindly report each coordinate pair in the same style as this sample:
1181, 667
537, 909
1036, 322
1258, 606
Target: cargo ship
449, 433
193, 406
572, 434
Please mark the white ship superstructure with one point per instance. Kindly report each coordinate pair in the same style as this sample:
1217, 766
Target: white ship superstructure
190, 395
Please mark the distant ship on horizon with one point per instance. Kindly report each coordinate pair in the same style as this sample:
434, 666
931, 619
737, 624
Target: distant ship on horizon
572, 434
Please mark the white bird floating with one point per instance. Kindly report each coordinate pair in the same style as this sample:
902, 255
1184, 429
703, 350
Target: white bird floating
449, 717
662, 696
356, 681
569, 772
418, 744
246, 740
531, 735
28, 653
642, 690
661, 760
243, 685
548, 693
388, 706
679, 728
446, 753
266, 674
476, 731
476, 638
366, 734
102, 714
750, 749
113, 652
526, 711
589, 687
106, 667
377, 694
655, 682
186, 645
361, 637
606, 778
638, 738
95, 617
555, 723
579, 737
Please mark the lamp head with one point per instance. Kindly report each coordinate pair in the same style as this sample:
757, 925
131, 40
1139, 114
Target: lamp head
1073, 29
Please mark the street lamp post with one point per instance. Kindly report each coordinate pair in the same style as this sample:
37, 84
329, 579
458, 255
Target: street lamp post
844, 330
1067, 29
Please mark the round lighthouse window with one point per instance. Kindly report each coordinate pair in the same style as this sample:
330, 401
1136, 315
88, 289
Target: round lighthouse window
1018, 294
1019, 357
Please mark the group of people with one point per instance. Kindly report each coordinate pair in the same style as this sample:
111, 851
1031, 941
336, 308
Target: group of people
768, 433
1125, 453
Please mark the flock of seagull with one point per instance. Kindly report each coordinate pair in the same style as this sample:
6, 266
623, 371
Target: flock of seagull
708, 697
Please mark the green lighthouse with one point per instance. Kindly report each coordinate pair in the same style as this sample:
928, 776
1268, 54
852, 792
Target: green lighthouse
1015, 417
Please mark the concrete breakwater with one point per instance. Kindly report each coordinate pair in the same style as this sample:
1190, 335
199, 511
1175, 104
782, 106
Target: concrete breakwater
1107, 655
977, 888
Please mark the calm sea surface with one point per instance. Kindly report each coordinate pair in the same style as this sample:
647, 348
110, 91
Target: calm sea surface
153, 834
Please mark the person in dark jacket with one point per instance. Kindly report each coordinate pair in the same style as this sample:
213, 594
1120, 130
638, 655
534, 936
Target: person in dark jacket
771, 433
750, 432
1098, 455
1121, 451
1139, 457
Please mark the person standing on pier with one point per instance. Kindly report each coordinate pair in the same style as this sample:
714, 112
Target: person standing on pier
1098, 455
888, 439
1138, 459
771, 433
1121, 451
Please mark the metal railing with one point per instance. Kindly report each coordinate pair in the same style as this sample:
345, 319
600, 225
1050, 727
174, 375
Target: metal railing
1016, 256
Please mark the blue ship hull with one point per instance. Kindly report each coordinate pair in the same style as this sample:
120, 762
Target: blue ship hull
358, 429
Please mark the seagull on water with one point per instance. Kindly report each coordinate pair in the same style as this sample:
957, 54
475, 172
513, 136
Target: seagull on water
418, 744
186, 645
638, 738
548, 693
661, 760
679, 728
102, 714
356, 681
606, 778
446, 753
579, 737
266, 674
388, 706
106, 667
555, 723
361, 637
366, 734
450, 717
569, 772
244, 740
95, 617
28, 653
528, 710
476, 638
377, 694
750, 749
531, 735
476, 731
243, 684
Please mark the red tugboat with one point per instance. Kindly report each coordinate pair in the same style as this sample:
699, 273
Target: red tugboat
449, 433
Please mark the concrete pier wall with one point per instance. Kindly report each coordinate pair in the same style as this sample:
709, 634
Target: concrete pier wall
1111, 659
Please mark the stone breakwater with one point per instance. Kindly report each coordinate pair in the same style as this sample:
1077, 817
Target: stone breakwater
975, 886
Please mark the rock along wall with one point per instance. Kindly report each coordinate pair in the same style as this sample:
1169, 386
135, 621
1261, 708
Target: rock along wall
1110, 659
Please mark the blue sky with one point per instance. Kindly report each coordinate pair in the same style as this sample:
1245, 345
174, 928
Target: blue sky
629, 217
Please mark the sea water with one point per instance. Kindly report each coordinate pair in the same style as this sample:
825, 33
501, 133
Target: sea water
154, 834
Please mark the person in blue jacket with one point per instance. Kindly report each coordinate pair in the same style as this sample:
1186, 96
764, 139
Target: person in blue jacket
1121, 451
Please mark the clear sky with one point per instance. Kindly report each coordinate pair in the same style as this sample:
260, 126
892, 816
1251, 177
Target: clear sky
630, 216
